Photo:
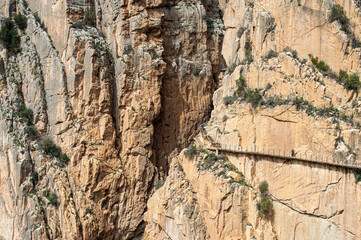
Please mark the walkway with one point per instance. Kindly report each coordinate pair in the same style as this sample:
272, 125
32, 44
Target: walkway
218, 147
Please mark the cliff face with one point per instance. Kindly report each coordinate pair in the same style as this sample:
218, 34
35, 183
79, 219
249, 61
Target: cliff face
274, 97
120, 87
114, 84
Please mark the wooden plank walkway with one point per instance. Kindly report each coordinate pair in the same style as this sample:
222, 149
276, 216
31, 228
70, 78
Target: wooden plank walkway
261, 154
218, 147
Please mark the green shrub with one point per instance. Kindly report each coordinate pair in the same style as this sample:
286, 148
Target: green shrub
241, 85
25, 3
25, 114
21, 21
64, 158
320, 65
264, 206
339, 14
355, 43
263, 187
314, 61
32, 132
89, 19
53, 199
229, 100
191, 150
159, 184
34, 177
357, 176
342, 76
9, 36
273, 101
254, 97
78, 24
271, 54
48, 146
353, 82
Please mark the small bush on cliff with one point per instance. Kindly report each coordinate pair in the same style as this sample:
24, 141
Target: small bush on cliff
159, 184
34, 177
9, 36
24, 113
241, 85
263, 187
89, 19
26, 4
271, 54
355, 43
253, 97
320, 65
339, 14
342, 76
191, 151
353, 82
264, 205
32, 132
229, 100
48, 146
64, 158
358, 176
20, 20
53, 199
78, 24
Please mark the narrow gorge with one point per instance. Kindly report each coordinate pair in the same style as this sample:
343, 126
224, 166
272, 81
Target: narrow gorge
180, 119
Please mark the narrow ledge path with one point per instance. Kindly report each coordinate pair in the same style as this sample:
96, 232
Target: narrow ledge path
218, 147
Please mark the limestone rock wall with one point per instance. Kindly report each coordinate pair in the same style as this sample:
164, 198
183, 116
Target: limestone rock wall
101, 90
284, 103
308, 200
122, 86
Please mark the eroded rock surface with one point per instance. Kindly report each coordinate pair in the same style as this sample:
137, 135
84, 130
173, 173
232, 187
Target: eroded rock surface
121, 88
273, 102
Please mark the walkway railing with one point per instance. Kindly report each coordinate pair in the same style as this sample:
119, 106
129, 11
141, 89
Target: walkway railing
277, 154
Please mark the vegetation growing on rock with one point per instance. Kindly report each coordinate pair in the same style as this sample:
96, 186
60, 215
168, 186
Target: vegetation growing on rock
9, 36
264, 205
21, 21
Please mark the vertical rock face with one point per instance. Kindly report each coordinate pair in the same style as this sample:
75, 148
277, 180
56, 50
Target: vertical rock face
273, 102
185, 104
100, 79
103, 95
